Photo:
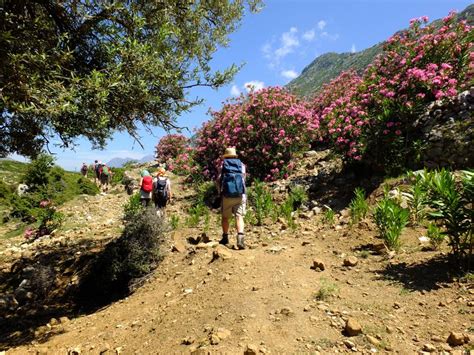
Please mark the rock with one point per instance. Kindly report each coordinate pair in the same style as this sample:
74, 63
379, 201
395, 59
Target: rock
74, 351
221, 252
223, 333
205, 238
317, 210
455, 339
372, 340
214, 339
318, 265
251, 349
200, 351
429, 348
353, 327
188, 340
178, 246
287, 311
350, 261
348, 343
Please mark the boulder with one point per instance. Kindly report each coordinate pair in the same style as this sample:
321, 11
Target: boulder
353, 327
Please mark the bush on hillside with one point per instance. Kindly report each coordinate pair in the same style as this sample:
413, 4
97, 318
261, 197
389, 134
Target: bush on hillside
372, 118
86, 186
267, 127
126, 260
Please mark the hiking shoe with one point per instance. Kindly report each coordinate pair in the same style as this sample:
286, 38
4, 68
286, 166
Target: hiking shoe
240, 242
224, 240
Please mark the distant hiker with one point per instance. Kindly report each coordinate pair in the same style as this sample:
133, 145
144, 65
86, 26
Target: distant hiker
146, 188
161, 190
84, 169
97, 166
231, 187
129, 183
104, 175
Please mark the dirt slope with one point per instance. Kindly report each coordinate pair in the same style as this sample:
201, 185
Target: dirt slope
207, 298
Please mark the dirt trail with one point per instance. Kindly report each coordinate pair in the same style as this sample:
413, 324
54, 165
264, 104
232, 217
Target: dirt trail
207, 298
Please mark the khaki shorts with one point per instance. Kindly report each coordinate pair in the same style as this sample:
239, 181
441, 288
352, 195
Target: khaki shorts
233, 205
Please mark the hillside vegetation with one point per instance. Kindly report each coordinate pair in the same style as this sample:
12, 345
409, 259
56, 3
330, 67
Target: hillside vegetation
329, 65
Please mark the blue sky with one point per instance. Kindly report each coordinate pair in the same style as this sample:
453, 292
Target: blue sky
276, 44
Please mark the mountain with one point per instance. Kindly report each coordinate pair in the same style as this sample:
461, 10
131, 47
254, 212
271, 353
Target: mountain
119, 162
328, 66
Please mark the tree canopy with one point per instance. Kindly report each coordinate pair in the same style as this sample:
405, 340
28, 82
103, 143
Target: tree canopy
89, 68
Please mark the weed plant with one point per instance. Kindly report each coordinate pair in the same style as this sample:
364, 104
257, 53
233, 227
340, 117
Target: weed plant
390, 219
358, 206
133, 208
435, 236
329, 216
261, 200
327, 290
174, 221
417, 198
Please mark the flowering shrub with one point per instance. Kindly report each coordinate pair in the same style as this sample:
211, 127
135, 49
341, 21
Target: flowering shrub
267, 127
371, 117
170, 146
174, 150
341, 114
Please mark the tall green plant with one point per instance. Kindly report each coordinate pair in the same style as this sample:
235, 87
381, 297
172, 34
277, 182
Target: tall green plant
390, 219
417, 197
261, 199
358, 206
452, 206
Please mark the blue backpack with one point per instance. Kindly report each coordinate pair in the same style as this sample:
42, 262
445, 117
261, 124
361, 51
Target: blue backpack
232, 178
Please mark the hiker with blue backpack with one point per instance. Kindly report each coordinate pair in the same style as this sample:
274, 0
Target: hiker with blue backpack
161, 190
231, 187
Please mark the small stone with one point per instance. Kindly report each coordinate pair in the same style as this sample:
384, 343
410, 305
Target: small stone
372, 340
223, 333
214, 339
188, 340
348, 343
353, 327
437, 339
251, 349
429, 348
287, 311
455, 338
318, 265
350, 261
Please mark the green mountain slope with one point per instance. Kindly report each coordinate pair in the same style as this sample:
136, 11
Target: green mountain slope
328, 66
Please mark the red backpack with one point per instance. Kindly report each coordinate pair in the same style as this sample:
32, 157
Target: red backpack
147, 184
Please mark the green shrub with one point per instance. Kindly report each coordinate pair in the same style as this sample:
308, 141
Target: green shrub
326, 291
417, 197
133, 208
299, 196
390, 219
195, 213
207, 194
126, 260
358, 206
452, 206
328, 216
261, 200
37, 173
87, 187
174, 221
286, 211
435, 235
117, 175
49, 219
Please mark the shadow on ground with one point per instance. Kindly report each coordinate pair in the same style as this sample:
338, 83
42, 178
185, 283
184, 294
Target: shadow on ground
423, 276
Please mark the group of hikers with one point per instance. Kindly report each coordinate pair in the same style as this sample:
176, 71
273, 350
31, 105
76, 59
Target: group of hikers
230, 184
102, 174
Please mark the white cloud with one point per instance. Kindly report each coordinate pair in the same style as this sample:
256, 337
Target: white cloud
353, 48
322, 24
267, 50
289, 41
309, 35
235, 91
329, 36
289, 74
254, 85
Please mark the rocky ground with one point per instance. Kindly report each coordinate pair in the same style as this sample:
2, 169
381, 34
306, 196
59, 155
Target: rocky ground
319, 288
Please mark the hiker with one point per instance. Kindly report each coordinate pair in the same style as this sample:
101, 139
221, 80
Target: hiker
161, 190
104, 176
128, 182
84, 169
146, 188
97, 166
231, 187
